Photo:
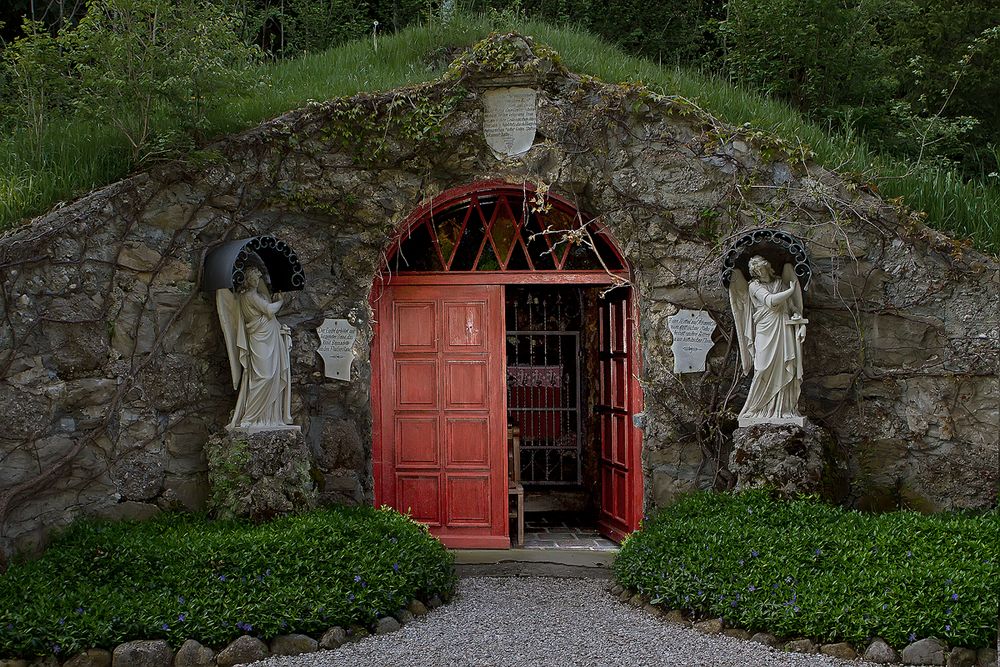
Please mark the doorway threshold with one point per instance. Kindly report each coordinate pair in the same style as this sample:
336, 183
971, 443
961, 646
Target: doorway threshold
550, 562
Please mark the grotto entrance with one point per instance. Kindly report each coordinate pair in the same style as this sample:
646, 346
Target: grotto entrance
503, 371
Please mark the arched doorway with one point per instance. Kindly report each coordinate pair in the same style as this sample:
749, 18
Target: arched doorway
471, 339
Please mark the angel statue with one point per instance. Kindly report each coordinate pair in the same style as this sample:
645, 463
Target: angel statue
258, 347
770, 330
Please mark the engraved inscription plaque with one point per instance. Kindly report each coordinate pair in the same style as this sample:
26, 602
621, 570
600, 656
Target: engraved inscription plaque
336, 346
509, 120
692, 331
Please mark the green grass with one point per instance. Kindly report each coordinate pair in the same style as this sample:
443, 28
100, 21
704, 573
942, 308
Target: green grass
802, 568
78, 157
180, 576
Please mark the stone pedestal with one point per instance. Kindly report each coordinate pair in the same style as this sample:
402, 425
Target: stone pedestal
786, 457
259, 474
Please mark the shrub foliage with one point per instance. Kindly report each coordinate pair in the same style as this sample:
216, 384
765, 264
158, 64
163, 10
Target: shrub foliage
180, 576
800, 567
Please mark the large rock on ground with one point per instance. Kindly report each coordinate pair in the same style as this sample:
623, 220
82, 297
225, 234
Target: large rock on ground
929, 651
193, 654
242, 650
293, 645
333, 638
259, 475
154, 653
880, 652
93, 657
787, 457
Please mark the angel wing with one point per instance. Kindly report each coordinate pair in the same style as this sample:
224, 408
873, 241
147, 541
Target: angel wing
739, 300
788, 277
231, 320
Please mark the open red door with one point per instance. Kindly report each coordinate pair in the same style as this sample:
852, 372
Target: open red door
441, 447
618, 460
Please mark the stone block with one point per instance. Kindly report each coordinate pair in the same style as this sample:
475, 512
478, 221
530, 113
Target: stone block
241, 650
146, 653
403, 616
787, 457
929, 651
986, 657
293, 645
416, 607
193, 654
737, 633
13, 662
259, 475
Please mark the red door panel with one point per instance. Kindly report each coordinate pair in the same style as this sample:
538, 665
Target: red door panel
618, 460
442, 426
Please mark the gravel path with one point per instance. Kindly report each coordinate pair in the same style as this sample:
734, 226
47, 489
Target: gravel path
545, 622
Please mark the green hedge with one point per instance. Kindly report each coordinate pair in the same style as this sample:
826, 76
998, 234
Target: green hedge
803, 568
182, 576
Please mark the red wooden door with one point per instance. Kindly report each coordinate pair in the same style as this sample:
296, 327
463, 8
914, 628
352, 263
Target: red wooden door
618, 458
442, 431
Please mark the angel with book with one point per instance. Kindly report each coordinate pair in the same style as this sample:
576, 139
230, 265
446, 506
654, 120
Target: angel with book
770, 330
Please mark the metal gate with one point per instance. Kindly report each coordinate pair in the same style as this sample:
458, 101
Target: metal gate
543, 400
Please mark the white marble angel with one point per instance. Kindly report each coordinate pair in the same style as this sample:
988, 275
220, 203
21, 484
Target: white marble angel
258, 347
770, 330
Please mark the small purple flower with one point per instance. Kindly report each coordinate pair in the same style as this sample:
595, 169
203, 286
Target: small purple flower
701, 592
818, 552
79, 610
181, 617
788, 580
884, 606
180, 600
948, 582
350, 596
912, 637
751, 588
284, 624
222, 577
164, 627
393, 540
796, 608
954, 596
56, 648
741, 562
357, 578
947, 628
62, 621
395, 567
733, 603
754, 553
947, 612
909, 554
267, 572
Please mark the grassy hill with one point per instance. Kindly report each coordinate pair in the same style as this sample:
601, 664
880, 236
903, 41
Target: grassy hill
75, 156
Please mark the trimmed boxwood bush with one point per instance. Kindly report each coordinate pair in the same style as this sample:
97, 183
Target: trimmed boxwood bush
181, 576
803, 568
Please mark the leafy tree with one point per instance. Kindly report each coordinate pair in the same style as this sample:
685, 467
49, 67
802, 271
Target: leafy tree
140, 60
32, 76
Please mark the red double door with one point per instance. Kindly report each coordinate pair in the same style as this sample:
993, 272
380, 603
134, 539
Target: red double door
441, 414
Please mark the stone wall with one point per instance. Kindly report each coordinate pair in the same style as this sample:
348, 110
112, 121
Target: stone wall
114, 376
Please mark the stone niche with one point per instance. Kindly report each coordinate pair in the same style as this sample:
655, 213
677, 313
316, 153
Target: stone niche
113, 374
